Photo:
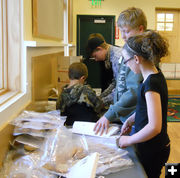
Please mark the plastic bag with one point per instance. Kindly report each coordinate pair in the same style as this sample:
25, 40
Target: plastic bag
39, 121
62, 150
30, 143
111, 158
37, 124
27, 167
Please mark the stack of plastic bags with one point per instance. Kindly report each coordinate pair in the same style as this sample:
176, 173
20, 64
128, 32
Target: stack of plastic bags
44, 148
32, 128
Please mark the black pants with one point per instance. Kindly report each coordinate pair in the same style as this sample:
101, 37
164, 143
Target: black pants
153, 162
79, 112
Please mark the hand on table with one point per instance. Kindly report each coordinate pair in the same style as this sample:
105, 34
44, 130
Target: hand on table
101, 125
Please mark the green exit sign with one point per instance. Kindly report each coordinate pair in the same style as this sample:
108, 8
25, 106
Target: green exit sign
96, 2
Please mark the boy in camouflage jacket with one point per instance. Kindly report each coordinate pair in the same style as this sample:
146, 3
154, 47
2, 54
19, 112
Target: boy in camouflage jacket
78, 101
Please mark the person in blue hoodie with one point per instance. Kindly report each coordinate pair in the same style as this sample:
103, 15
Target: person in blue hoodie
131, 21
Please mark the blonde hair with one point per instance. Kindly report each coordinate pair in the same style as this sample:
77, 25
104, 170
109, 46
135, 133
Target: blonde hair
133, 17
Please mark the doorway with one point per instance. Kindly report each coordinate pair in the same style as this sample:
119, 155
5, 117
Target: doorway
168, 24
98, 76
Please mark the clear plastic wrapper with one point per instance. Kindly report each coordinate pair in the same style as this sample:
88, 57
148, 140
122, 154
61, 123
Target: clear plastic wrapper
60, 148
44, 119
64, 150
26, 166
37, 124
27, 140
48, 117
111, 159
38, 121
51, 114
33, 132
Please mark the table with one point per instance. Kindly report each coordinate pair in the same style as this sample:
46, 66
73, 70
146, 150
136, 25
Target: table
137, 171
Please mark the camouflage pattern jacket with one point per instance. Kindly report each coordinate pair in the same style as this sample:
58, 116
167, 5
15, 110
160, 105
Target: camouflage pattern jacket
78, 93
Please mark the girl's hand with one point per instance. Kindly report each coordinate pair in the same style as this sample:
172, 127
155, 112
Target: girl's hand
126, 128
124, 141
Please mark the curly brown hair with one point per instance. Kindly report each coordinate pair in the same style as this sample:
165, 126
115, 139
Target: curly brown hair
150, 45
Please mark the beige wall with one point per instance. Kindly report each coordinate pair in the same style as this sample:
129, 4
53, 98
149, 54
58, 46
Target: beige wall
27, 20
28, 24
108, 7
114, 7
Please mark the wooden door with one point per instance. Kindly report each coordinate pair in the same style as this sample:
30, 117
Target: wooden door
168, 24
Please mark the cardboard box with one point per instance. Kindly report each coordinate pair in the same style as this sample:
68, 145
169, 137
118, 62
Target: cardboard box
63, 77
65, 61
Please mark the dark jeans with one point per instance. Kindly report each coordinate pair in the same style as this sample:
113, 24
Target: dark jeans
153, 162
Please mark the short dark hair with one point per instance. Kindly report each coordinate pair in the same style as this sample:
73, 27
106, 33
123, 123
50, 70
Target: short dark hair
94, 40
77, 70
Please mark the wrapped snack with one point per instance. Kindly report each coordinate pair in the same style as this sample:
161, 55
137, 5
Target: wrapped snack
37, 124
27, 166
32, 132
111, 158
63, 150
30, 143
52, 118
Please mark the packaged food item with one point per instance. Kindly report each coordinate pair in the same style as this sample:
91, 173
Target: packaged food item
30, 143
111, 158
64, 150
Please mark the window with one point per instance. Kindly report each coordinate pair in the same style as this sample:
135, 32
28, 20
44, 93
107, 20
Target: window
165, 21
10, 49
1, 47
1, 57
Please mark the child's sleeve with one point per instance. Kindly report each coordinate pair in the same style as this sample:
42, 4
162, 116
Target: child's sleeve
128, 100
60, 104
94, 99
